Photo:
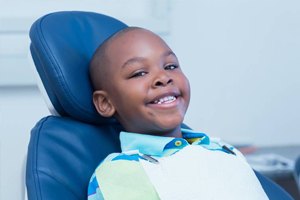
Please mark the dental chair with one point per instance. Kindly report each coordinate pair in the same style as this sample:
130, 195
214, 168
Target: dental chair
297, 173
66, 147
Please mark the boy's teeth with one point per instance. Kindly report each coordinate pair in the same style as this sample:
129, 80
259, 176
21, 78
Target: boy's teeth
167, 99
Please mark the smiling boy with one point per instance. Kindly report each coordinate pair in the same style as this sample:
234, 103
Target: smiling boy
138, 80
150, 94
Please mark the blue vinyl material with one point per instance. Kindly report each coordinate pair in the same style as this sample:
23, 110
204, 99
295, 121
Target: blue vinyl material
297, 172
62, 45
274, 191
64, 150
63, 154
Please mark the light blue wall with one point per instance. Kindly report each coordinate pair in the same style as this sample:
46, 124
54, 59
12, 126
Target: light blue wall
242, 59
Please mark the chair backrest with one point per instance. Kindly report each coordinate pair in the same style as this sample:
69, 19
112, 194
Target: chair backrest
297, 172
62, 45
64, 150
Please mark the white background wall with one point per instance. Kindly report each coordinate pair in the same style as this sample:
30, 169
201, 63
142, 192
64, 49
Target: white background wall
242, 59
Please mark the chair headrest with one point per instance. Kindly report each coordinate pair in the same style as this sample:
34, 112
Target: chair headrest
62, 44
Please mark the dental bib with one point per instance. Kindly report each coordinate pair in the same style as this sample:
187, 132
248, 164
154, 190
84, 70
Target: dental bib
197, 173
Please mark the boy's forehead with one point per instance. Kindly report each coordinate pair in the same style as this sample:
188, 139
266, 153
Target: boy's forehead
132, 34
131, 38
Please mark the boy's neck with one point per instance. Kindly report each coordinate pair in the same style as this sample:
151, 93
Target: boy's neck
176, 133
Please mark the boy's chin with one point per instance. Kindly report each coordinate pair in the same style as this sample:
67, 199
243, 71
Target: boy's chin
169, 128
171, 122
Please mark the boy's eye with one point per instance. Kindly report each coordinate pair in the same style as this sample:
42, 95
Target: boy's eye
171, 67
138, 74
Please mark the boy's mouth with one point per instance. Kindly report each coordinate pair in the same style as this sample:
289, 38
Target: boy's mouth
165, 100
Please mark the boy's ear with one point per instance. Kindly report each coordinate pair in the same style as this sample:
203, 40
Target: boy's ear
103, 104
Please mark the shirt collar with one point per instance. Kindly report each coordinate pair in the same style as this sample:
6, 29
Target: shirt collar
155, 145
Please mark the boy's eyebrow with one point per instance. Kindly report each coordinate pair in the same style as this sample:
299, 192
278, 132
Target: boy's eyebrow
133, 60
168, 53
141, 59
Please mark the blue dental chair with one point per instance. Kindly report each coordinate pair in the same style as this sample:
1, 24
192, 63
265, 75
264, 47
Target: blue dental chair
66, 147
297, 172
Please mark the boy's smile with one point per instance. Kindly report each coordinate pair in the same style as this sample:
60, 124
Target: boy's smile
145, 85
165, 100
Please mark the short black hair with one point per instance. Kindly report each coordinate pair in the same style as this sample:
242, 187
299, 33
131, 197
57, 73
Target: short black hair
100, 60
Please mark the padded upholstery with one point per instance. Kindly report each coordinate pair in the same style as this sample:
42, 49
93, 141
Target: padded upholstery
66, 41
297, 172
64, 150
62, 155
274, 191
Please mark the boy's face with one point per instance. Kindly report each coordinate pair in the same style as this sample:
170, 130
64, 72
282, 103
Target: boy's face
146, 87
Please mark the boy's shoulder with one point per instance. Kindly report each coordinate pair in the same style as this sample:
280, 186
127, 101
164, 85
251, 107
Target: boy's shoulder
117, 165
118, 161
117, 174
122, 156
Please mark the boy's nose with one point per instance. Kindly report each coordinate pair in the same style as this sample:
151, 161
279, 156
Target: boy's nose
162, 80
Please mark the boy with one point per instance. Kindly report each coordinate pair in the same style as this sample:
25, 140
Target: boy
138, 80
